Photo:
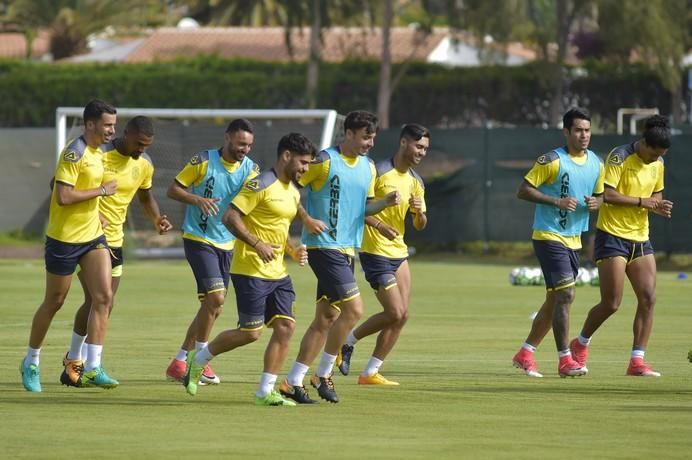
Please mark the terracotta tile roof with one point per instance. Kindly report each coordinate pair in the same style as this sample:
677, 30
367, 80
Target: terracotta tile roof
13, 45
268, 43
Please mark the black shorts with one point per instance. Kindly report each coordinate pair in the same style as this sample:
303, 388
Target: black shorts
334, 272
560, 264
261, 301
608, 245
209, 264
117, 261
380, 271
62, 258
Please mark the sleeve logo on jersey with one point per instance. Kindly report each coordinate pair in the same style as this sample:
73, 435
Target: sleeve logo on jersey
70, 156
615, 159
543, 160
252, 185
195, 160
256, 168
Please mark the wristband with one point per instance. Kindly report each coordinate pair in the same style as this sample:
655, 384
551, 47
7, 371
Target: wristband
103, 191
377, 225
640, 202
254, 245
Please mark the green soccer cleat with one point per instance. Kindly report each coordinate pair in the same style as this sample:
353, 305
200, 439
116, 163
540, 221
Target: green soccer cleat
689, 356
31, 377
273, 399
97, 377
192, 374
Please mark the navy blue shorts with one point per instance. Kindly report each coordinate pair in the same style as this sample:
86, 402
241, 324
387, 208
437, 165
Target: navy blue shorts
380, 271
261, 301
334, 272
62, 258
608, 245
209, 264
560, 264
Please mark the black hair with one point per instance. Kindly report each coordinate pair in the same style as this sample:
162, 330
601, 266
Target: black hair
361, 119
414, 132
95, 108
657, 132
576, 113
297, 144
240, 124
141, 125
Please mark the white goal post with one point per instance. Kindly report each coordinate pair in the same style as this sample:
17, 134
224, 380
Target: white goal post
329, 117
636, 114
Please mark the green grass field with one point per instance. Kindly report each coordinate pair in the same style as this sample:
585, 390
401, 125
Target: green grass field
459, 395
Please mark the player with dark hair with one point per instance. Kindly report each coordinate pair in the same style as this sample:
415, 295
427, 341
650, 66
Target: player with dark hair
633, 188
260, 216
125, 161
384, 253
214, 178
75, 237
566, 184
341, 192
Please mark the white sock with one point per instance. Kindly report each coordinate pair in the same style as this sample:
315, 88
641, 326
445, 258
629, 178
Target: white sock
351, 340
326, 365
200, 345
203, 357
32, 356
584, 340
563, 353
373, 366
76, 346
182, 355
266, 384
297, 374
638, 353
528, 347
93, 357
83, 351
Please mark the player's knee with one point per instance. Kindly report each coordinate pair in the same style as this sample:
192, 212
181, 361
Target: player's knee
565, 297
252, 336
283, 330
214, 300
102, 300
611, 303
647, 300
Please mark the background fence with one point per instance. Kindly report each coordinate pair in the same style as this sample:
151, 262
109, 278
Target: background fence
471, 179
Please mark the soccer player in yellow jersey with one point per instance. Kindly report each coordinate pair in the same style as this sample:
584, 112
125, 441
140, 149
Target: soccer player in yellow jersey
566, 184
384, 253
125, 161
74, 236
214, 177
260, 216
633, 188
340, 187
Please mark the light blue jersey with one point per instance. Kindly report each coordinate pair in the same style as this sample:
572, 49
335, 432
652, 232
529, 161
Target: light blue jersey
340, 203
572, 180
217, 183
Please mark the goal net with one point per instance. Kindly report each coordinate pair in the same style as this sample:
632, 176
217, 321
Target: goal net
179, 134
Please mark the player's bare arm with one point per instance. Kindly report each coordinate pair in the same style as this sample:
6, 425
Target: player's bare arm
208, 205
232, 219
312, 226
385, 230
530, 193
593, 202
374, 205
415, 205
297, 252
152, 211
66, 194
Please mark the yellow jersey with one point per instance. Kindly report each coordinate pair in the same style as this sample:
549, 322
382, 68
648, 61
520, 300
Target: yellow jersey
80, 166
269, 206
409, 184
317, 176
132, 175
193, 174
629, 176
546, 172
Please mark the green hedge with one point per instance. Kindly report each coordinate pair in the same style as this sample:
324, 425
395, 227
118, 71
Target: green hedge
431, 94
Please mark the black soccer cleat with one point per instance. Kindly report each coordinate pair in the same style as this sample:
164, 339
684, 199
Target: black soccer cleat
296, 392
343, 359
325, 388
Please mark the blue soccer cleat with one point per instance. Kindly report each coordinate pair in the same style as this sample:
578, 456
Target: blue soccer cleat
31, 377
